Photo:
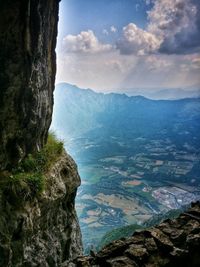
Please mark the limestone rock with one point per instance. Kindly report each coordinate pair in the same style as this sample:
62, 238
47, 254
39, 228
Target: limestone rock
137, 251
121, 262
44, 231
172, 243
28, 31
161, 239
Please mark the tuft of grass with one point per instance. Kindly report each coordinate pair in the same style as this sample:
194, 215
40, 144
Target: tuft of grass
24, 186
27, 180
41, 161
52, 150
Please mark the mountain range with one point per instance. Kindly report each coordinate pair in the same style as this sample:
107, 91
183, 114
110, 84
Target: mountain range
78, 111
165, 94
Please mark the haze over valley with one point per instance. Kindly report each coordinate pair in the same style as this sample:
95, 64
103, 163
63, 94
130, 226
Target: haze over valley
137, 158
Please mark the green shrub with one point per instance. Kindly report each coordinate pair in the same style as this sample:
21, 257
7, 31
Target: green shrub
117, 233
27, 180
24, 186
51, 151
42, 160
29, 164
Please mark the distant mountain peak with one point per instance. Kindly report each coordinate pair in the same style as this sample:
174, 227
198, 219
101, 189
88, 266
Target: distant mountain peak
140, 94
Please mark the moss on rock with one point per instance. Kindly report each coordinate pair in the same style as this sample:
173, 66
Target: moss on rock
27, 180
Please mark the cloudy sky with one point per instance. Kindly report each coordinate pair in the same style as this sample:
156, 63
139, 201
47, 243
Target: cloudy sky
114, 45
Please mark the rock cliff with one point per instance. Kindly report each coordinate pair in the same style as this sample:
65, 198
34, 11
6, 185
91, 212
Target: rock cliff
44, 231
28, 30
172, 243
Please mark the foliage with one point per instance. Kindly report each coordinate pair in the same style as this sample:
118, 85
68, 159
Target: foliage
127, 231
118, 233
24, 186
27, 180
42, 160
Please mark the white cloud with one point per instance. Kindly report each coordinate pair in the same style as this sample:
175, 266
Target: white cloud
173, 27
84, 42
176, 23
160, 54
156, 63
113, 29
137, 41
161, 71
111, 71
137, 7
196, 63
97, 71
105, 32
148, 2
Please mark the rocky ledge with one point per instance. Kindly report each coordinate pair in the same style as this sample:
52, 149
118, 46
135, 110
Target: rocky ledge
44, 231
171, 243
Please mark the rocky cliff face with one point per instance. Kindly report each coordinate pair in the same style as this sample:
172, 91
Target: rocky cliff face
44, 231
172, 243
28, 30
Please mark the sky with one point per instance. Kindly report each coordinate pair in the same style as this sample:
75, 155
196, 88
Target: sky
120, 45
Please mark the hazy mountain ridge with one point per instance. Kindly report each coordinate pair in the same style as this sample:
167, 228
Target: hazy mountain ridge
165, 94
82, 110
152, 94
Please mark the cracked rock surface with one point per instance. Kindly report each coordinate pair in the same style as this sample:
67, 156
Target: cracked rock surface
172, 243
28, 31
44, 231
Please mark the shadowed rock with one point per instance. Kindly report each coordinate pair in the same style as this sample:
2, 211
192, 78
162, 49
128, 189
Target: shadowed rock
172, 243
28, 30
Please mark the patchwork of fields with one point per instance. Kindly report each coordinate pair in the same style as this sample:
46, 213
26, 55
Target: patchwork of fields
131, 187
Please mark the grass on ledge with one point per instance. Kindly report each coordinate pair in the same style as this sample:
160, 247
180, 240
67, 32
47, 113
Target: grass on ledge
27, 180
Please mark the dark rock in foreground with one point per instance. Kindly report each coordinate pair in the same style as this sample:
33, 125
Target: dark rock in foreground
172, 243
